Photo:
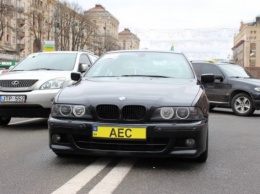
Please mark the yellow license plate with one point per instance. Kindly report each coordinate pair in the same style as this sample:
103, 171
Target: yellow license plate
111, 132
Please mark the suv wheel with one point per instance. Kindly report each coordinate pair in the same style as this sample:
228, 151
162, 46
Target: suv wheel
242, 105
4, 121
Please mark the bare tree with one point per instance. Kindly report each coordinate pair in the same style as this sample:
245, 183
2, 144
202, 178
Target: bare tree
76, 32
6, 10
111, 44
41, 24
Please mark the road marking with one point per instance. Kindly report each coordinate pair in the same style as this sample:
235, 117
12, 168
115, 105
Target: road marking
82, 178
19, 122
110, 182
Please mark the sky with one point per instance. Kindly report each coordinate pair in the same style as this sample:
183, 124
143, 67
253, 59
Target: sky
153, 20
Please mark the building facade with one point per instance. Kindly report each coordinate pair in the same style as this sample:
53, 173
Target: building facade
108, 31
26, 24
107, 28
128, 40
246, 49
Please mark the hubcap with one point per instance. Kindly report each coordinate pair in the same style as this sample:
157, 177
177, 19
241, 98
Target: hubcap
242, 104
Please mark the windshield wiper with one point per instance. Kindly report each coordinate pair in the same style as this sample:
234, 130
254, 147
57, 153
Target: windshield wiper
36, 69
239, 77
160, 76
17, 70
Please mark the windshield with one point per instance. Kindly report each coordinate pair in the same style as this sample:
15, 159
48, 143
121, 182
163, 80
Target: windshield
47, 61
235, 71
143, 64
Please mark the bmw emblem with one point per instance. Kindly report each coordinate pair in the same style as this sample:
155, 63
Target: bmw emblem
122, 98
15, 83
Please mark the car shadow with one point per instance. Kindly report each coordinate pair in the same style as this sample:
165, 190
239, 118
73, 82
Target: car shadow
228, 111
28, 124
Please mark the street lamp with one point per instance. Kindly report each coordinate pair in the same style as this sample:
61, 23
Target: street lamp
57, 25
106, 28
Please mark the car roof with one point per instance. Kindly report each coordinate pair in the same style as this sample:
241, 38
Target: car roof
54, 52
158, 51
212, 63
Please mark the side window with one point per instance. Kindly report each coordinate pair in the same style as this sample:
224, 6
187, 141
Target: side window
84, 59
207, 68
93, 58
197, 69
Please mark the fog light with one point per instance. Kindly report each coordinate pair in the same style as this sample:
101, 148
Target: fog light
190, 143
56, 138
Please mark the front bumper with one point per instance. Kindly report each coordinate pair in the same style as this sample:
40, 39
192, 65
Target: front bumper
163, 140
38, 104
256, 100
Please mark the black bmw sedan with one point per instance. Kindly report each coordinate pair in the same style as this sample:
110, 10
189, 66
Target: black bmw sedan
141, 103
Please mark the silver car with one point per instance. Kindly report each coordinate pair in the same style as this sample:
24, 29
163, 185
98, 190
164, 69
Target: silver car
29, 88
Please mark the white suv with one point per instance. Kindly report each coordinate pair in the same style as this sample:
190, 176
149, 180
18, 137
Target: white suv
29, 88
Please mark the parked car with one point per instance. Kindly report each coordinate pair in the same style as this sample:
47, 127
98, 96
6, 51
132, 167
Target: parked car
144, 103
28, 89
234, 87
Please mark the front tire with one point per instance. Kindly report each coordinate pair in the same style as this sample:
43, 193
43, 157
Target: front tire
4, 121
242, 105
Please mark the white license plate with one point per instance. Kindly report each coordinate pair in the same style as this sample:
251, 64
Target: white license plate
12, 99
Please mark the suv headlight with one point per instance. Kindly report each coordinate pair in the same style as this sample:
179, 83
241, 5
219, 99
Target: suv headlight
56, 83
257, 89
67, 110
177, 113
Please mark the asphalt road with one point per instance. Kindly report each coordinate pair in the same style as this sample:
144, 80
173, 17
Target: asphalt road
28, 166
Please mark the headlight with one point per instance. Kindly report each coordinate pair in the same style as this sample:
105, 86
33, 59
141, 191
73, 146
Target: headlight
257, 89
167, 112
71, 111
177, 113
79, 111
183, 113
65, 110
56, 83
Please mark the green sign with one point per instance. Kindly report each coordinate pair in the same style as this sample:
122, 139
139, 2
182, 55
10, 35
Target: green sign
48, 46
7, 63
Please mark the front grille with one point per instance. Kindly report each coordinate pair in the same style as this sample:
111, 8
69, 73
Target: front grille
151, 144
128, 113
133, 112
107, 112
17, 83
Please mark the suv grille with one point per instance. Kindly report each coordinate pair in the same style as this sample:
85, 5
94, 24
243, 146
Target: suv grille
17, 83
130, 113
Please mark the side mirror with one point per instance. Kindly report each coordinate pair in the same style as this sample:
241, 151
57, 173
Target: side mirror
84, 67
75, 76
219, 77
10, 68
207, 78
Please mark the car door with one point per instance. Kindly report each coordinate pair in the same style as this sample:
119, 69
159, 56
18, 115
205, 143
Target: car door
217, 92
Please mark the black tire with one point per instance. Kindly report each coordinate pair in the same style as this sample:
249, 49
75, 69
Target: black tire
242, 105
211, 107
4, 121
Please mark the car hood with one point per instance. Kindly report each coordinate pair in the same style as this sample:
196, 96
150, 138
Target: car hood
255, 82
46, 75
150, 91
